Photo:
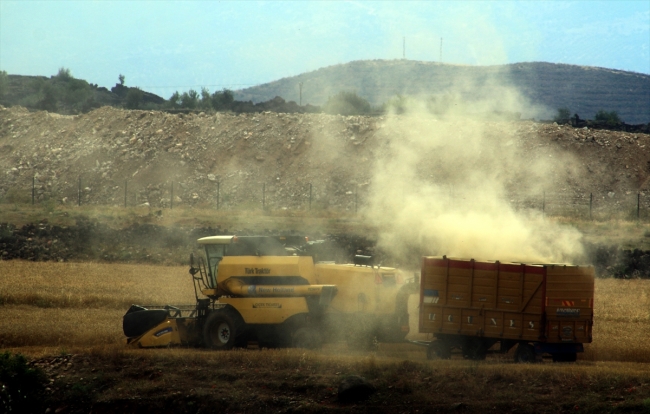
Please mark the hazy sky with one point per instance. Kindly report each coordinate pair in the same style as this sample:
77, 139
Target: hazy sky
163, 46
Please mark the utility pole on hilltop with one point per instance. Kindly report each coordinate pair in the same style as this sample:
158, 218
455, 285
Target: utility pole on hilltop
300, 86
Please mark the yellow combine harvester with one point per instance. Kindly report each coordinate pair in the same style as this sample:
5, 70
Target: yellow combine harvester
269, 290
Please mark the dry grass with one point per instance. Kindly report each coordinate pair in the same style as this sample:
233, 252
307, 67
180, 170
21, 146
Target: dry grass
119, 217
621, 321
91, 285
81, 304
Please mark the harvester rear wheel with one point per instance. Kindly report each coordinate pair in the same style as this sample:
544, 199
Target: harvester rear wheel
220, 330
307, 338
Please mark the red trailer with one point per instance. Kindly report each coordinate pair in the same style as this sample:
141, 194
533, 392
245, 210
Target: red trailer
473, 306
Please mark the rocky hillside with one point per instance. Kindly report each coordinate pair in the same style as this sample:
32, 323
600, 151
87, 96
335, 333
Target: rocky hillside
277, 153
545, 86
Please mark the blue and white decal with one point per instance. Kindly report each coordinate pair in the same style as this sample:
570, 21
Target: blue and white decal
162, 332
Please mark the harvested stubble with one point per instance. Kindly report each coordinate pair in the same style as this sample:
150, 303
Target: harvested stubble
81, 304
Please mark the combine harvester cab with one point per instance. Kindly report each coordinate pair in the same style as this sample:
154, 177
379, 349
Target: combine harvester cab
268, 290
473, 305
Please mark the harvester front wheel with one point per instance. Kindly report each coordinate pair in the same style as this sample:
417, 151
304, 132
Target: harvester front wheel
220, 331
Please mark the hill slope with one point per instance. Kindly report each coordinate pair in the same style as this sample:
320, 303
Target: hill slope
288, 151
547, 86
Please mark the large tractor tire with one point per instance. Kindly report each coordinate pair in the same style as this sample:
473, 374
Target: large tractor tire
525, 353
439, 348
476, 348
221, 330
137, 322
307, 338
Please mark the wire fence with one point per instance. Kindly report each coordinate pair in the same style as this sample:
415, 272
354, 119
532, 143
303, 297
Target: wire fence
306, 196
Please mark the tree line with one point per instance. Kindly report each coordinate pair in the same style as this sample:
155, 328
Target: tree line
63, 93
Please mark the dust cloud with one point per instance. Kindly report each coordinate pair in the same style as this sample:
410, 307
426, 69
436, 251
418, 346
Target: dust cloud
442, 185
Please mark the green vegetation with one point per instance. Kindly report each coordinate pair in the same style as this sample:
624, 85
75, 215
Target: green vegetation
397, 104
222, 100
563, 115
4, 83
347, 103
134, 98
610, 118
21, 387
63, 93
190, 99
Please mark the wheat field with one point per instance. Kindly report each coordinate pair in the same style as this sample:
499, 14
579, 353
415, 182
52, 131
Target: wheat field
78, 305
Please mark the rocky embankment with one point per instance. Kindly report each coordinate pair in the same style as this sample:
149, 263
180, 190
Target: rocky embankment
272, 158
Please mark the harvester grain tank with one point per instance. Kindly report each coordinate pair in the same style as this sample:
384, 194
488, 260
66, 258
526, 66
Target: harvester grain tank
472, 306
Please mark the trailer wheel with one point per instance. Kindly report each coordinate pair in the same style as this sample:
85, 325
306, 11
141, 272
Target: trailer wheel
565, 357
307, 338
220, 331
439, 348
525, 353
474, 348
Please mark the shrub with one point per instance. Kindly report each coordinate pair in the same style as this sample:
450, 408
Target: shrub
63, 74
346, 103
48, 101
396, 104
190, 99
563, 115
175, 100
611, 118
222, 100
134, 98
4, 83
21, 387
205, 98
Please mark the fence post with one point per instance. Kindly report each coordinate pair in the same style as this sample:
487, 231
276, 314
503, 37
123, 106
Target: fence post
171, 199
264, 197
218, 184
591, 201
309, 196
79, 193
125, 188
33, 187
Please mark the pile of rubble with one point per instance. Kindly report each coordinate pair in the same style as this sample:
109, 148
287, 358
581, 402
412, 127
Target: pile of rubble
284, 161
